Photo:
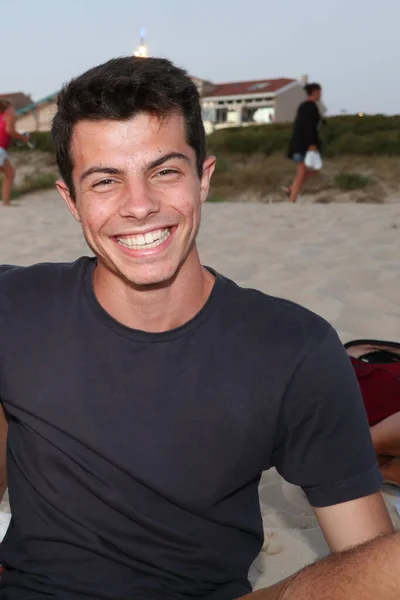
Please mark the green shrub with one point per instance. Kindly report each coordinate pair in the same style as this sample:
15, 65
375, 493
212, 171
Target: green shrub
215, 197
40, 139
257, 139
352, 135
351, 181
222, 165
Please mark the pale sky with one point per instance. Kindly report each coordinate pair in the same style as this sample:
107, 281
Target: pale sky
352, 50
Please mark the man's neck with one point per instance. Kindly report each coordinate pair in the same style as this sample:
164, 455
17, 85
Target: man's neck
155, 310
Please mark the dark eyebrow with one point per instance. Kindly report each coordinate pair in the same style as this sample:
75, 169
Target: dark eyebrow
99, 169
152, 165
163, 159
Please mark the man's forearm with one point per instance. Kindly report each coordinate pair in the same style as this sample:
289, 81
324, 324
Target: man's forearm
369, 572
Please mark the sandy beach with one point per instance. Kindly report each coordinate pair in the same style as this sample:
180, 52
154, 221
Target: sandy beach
339, 260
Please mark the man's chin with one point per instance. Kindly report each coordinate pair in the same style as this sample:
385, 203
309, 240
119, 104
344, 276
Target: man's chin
153, 279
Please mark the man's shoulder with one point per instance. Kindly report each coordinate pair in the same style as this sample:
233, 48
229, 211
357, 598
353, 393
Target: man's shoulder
276, 318
28, 282
40, 271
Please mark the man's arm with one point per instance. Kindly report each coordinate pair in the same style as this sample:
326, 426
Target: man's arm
3, 451
369, 572
323, 444
353, 523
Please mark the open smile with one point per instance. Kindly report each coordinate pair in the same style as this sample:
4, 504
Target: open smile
141, 241
146, 243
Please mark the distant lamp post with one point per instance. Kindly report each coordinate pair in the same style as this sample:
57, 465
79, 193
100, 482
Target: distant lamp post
142, 50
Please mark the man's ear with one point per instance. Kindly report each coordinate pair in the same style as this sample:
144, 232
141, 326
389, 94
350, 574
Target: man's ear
69, 201
208, 170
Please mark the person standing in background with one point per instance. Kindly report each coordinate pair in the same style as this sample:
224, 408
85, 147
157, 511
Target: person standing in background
305, 137
7, 133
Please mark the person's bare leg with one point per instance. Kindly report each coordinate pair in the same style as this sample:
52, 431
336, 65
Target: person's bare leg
298, 182
9, 174
391, 471
310, 173
368, 572
386, 436
303, 178
386, 439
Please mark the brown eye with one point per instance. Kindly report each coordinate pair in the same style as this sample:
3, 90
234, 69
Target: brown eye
166, 172
104, 183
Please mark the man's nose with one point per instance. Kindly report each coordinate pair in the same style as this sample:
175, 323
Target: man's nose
139, 201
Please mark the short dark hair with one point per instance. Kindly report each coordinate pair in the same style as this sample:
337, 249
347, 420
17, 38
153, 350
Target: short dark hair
310, 88
118, 90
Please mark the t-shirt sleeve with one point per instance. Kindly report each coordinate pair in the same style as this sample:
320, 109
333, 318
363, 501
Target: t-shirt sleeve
323, 443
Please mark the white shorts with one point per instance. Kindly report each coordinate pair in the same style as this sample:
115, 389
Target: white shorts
3, 156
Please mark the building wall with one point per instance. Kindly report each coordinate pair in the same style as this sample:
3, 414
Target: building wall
38, 119
287, 103
27, 122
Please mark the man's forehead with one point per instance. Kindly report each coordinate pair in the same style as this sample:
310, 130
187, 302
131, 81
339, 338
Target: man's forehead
142, 125
140, 138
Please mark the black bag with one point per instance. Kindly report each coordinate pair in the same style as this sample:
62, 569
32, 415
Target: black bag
374, 351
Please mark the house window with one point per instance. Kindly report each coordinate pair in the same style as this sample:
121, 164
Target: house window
208, 114
221, 115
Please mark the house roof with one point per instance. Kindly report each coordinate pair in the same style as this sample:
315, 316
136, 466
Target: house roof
241, 88
33, 105
18, 99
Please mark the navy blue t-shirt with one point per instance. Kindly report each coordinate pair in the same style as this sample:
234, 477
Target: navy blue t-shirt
134, 457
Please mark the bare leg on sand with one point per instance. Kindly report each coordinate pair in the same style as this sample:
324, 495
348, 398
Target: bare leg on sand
301, 177
368, 572
386, 439
9, 174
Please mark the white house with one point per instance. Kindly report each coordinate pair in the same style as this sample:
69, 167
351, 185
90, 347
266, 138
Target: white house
244, 103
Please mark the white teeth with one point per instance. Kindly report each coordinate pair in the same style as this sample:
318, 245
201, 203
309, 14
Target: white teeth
151, 239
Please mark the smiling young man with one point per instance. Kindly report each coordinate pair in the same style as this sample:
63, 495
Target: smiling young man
144, 393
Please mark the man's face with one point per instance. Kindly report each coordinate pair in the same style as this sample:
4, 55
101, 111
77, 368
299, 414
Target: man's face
138, 195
